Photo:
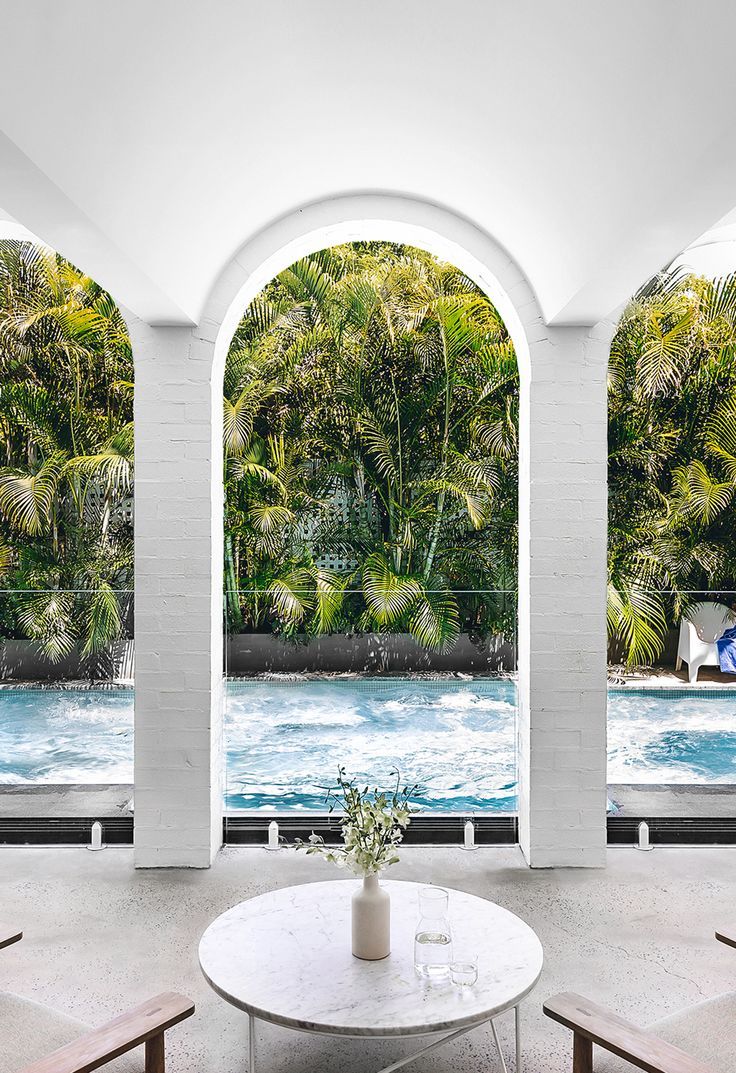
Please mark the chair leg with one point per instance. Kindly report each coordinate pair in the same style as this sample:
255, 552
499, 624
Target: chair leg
692, 671
582, 1054
678, 663
155, 1062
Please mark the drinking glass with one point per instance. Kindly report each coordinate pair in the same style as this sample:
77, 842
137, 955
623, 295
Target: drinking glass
464, 970
433, 937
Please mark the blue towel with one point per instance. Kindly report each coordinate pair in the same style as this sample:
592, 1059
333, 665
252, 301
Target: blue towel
727, 651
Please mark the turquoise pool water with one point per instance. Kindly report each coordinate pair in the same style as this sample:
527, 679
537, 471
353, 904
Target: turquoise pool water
285, 739
455, 739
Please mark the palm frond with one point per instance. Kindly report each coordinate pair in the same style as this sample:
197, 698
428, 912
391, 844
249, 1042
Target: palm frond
638, 618
435, 620
389, 596
113, 463
26, 500
48, 617
103, 621
698, 495
720, 435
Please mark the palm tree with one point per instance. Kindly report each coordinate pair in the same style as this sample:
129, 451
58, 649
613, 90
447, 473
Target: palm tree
67, 438
672, 445
392, 386
390, 383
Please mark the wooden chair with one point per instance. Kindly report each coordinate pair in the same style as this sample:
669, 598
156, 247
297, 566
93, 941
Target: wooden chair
699, 1039
36, 1039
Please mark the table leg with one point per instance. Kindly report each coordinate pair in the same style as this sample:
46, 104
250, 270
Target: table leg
431, 1047
517, 1036
498, 1047
251, 1043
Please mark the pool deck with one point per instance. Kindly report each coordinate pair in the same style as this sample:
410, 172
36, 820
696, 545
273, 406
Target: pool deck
102, 801
51, 801
673, 800
668, 678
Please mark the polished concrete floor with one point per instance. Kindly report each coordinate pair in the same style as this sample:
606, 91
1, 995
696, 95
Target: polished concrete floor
100, 936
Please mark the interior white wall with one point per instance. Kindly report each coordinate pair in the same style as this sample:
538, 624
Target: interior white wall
179, 535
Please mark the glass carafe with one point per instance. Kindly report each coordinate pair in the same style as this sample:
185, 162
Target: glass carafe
433, 938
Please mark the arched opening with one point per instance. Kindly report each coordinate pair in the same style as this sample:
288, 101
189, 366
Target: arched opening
671, 548
180, 509
66, 529
371, 420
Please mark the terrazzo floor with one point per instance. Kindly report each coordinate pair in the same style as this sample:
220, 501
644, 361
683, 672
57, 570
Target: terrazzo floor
101, 936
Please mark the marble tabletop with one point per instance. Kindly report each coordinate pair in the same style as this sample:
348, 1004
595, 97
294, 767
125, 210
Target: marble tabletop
285, 957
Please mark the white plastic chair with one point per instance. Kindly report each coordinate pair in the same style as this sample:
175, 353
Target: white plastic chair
699, 631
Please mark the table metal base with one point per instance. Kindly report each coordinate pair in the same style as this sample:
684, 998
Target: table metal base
420, 1053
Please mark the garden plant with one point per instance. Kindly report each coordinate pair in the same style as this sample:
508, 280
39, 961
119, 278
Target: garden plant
370, 452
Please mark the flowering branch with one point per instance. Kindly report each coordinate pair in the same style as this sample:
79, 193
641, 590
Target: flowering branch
373, 825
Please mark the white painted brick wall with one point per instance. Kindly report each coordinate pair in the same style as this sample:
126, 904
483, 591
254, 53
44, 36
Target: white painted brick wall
178, 610
562, 625
562, 519
562, 634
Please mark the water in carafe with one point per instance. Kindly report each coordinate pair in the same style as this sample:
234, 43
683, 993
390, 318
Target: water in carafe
433, 938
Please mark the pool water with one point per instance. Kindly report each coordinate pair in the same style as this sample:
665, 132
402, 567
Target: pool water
286, 739
455, 739
672, 735
66, 735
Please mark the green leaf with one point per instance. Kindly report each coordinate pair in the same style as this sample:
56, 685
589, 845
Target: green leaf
638, 618
435, 621
48, 617
292, 595
26, 501
698, 495
389, 596
720, 436
102, 620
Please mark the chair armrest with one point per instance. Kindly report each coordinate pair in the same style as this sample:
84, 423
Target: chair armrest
727, 937
8, 936
595, 1024
142, 1024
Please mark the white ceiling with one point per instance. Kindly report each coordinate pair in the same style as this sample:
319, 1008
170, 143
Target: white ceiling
147, 141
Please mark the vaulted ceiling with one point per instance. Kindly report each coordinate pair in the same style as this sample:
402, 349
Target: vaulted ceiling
147, 141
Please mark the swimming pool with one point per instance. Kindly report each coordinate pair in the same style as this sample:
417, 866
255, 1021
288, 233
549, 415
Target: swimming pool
285, 739
456, 739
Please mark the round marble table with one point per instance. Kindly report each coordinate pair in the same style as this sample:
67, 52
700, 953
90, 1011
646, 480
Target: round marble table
285, 957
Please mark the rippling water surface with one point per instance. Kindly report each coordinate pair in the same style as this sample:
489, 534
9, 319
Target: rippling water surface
672, 735
66, 735
285, 740
455, 739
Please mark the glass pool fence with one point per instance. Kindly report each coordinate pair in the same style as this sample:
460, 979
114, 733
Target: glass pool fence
302, 701
298, 705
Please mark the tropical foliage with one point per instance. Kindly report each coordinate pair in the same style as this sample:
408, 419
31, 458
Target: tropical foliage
370, 414
371, 399
66, 434
672, 457
370, 438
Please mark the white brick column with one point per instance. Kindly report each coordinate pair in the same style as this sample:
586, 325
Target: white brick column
562, 581
178, 599
562, 542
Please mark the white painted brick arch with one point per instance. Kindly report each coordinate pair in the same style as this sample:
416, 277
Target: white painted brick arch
179, 534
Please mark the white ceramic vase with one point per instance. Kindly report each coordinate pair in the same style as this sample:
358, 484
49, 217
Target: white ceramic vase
371, 921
